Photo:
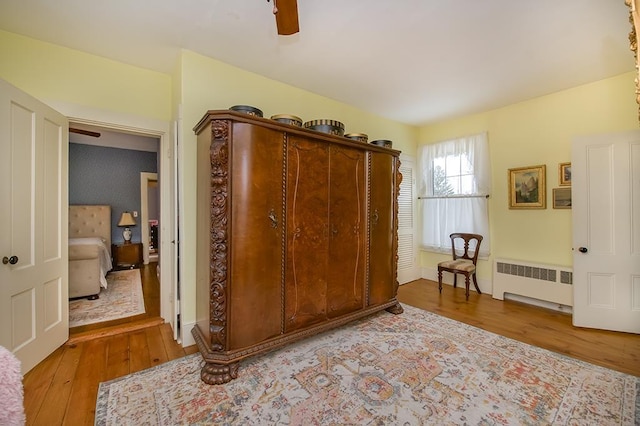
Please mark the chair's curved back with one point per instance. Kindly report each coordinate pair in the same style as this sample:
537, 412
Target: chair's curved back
467, 239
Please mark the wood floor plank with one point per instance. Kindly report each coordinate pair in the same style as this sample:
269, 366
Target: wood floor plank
173, 349
117, 356
157, 351
139, 352
190, 350
55, 401
37, 382
91, 371
151, 289
112, 330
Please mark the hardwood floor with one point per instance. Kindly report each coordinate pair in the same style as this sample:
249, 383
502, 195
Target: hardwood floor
63, 388
537, 326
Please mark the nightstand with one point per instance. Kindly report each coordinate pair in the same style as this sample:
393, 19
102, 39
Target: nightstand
126, 255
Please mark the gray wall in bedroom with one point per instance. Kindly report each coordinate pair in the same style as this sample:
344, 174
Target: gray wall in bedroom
103, 175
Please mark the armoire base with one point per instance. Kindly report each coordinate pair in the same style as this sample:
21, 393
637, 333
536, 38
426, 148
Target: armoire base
221, 368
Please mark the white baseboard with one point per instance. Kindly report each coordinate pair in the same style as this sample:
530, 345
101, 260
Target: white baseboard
186, 336
540, 303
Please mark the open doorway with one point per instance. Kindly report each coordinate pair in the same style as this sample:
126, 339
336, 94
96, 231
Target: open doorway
104, 166
129, 142
150, 216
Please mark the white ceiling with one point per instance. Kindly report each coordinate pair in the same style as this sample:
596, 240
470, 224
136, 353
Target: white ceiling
415, 61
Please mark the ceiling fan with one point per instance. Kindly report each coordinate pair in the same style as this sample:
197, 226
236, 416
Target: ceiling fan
84, 132
286, 12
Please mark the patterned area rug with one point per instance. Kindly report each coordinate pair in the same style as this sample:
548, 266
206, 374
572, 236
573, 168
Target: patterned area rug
413, 368
121, 299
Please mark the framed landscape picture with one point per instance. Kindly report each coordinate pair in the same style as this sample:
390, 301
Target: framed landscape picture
561, 198
527, 187
564, 171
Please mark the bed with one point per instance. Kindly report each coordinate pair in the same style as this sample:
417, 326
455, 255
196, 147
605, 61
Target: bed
89, 249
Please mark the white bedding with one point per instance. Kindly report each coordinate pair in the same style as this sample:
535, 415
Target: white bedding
105, 256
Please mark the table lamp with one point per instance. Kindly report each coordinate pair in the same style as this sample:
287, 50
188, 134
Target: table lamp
126, 220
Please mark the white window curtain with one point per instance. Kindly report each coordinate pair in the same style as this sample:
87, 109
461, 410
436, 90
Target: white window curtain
463, 207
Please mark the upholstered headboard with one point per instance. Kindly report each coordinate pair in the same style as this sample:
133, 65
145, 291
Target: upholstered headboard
90, 221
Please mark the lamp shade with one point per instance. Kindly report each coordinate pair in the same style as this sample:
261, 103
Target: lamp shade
126, 220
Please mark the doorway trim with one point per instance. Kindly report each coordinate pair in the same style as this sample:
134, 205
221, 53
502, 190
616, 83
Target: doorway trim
145, 178
110, 120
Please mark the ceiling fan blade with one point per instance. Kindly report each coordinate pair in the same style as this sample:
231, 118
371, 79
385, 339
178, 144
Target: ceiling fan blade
84, 132
286, 12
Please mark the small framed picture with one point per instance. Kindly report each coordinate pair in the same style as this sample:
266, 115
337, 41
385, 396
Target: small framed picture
561, 198
527, 187
564, 171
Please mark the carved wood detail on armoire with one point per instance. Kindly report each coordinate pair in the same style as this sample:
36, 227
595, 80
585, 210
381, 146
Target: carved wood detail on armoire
297, 234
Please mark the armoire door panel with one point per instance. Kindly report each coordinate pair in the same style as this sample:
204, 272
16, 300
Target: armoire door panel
347, 223
307, 233
257, 228
381, 263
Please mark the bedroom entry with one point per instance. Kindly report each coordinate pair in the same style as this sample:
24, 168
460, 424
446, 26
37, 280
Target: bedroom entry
138, 136
34, 201
149, 215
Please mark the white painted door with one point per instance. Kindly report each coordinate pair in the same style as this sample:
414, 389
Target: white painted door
175, 238
34, 310
606, 231
408, 269
148, 182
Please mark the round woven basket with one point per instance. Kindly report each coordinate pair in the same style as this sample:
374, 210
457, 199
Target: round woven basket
331, 127
287, 119
247, 109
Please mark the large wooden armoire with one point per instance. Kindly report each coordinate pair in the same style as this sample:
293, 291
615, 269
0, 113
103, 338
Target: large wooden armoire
296, 234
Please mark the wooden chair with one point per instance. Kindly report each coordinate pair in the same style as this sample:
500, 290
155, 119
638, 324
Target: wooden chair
461, 264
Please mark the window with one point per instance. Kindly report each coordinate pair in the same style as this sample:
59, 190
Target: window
455, 181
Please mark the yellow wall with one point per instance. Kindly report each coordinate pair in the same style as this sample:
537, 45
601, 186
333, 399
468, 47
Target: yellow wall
50, 72
58, 74
209, 84
539, 131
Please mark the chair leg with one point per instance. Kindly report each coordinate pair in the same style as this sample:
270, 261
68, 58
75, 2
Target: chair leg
475, 282
440, 280
455, 280
466, 285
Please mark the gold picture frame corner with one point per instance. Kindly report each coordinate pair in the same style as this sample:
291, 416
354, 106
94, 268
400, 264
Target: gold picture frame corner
527, 187
564, 174
562, 198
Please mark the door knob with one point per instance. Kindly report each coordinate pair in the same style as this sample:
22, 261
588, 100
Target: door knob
12, 260
583, 250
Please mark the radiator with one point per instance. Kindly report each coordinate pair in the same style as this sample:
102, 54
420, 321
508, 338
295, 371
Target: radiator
548, 283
